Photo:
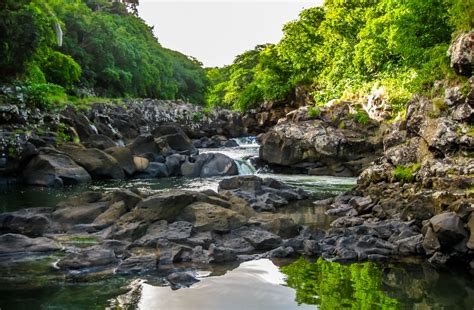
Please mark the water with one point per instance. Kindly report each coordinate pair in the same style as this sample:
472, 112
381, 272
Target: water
261, 284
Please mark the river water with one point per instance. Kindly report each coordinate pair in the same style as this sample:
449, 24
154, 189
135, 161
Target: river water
260, 284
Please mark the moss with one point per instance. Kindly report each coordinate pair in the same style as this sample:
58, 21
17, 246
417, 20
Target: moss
406, 174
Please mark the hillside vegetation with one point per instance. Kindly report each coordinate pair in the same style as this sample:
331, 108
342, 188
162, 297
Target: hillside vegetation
347, 50
105, 49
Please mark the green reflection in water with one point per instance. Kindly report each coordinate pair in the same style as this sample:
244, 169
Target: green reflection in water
334, 286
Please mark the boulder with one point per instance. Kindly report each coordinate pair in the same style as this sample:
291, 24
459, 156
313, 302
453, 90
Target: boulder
208, 217
141, 163
100, 142
137, 264
28, 222
174, 138
154, 170
461, 52
144, 144
181, 279
15, 244
209, 165
111, 215
83, 214
164, 206
173, 164
99, 164
449, 229
470, 225
54, 169
124, 158
88, 257
259, 239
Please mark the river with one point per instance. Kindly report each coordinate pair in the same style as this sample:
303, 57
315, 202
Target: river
258, 284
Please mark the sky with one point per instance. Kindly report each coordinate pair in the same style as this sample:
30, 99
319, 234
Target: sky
215, 31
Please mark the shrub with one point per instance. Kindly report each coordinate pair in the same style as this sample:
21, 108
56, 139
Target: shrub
314, 111
406, 174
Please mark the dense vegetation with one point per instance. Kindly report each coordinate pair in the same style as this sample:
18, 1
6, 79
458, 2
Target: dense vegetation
349, 49
104, 49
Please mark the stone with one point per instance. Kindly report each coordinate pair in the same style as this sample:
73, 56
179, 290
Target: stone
461, 52
111, 215
222, 254
54, 169
124, 158
173, 163
164, 206
98, 164
181, 279
100, 142
449, 228
137, 264
141, 163
260, 239
278, 224
439, 259
144, 144
88, 257
470, 225
154, 170
430, 242
26, 222
16, 244
84, 214
209, 217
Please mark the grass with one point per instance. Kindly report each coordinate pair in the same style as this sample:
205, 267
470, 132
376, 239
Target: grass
406, 174
314, 112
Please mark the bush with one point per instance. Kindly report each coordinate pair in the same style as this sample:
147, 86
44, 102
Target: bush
314, 112
406, 174
361, 116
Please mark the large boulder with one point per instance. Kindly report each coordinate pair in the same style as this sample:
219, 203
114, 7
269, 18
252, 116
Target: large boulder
174, 138
462, 53
209, 165
52, 168
164, 206
448, 228
99, 164
19, 244
100, 142
144, 144
29, 222
124, 157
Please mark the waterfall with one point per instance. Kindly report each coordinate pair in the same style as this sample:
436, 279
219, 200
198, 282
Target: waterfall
59, 33
245, 167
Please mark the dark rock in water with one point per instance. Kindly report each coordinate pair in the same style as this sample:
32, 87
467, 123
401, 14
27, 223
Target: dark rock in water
181, 279
431, 242
124, 157
28, 222
260, 239
215, 142
111, 215
137, 264
54, 169
83, 214
449, 229
222, 254
218, 165
15, 244
100, 142
261, 194
88, 257
154, 170
439, 259
80, 122
99, 164
173, 163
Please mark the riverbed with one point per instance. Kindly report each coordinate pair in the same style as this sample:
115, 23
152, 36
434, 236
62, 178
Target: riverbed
257, 284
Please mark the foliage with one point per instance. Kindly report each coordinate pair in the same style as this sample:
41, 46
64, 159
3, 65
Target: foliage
406, 174
348, 49
105, 48
314, 111
361, 116
334, 286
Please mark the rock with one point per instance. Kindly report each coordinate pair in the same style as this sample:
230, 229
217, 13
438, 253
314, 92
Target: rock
218, 165
278, 224
208, 217
179, 231
164, 206
137, 264
461, 52
54, 169
127, 196
124, 158
154, 170
259, 239
26, 222
430, 242
86, 258
173, 163
84, 214
83, 198
470, 225
448, 228
411, 245
175, 139
144, 144
181, 279
111, 215
361, 204
222, 254
141, 163
99, 164
100, 142
439, 259
15, 244
280, 252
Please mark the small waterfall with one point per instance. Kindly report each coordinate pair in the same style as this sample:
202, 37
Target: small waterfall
245, 167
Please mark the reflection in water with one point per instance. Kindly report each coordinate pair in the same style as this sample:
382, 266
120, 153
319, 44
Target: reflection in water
371, 286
